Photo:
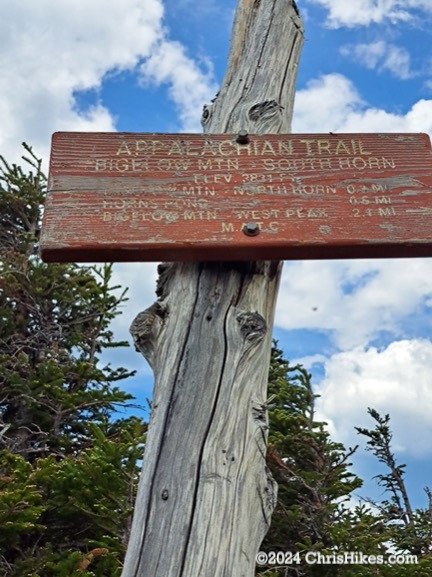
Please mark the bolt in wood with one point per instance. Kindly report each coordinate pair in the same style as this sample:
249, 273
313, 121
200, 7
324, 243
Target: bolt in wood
251, 229
242, 137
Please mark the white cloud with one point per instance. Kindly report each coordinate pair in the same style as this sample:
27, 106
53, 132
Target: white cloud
381, 56
331, 103
354, 300
52, 50
325, 104
140, 278
365, 12
190, 86
396, 380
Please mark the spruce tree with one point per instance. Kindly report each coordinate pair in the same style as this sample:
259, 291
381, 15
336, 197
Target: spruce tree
67, 461
409, 529
316, 483
315, 511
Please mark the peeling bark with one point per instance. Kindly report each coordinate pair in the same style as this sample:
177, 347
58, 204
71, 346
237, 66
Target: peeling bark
206, 496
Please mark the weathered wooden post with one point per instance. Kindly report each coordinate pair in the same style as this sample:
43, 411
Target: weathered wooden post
206, 497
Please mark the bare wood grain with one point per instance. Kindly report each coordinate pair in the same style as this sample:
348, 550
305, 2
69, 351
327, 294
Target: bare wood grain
205, 496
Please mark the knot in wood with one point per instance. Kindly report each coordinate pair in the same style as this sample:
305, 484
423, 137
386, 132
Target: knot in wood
165, 495
145, 329
266, 108
265, 117
252, 326
143, 323
259, 413
206, 114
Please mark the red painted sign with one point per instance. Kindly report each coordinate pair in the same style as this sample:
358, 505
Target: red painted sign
150, 197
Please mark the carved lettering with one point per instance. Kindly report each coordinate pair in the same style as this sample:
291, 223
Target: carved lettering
323, 146
201, 214
226, 164
387, 211
342, 148
129, 203
359, 200
359, 163
209, 148
177, 164
227, 148
212, 178
306, 213
249, 190
382, 200
141, 147
176, 148
379, 188
271, 227
330, 147
272, 189
373, 188
317, 213
205, 164
166, 215
297, 164
227, 227
199, 190
199, 203
312, 189
256, 214
268, 148
155, 155
119, 165
123, 148
285, 147
310, 146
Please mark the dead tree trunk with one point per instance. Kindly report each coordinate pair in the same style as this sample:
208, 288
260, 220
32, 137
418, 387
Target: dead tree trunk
205, 496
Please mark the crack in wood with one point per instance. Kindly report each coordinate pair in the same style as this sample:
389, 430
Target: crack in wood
205, 436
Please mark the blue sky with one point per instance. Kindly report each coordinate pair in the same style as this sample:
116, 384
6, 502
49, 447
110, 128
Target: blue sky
362, 327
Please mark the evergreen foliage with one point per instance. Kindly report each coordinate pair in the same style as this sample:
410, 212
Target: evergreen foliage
410, 529
312, 471
68, 461
316, 485
68, 467
314, 478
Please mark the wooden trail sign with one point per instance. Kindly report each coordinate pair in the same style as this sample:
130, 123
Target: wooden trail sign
149, 197
205, 495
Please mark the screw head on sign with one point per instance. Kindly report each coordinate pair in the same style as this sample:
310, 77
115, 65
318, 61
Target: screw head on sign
242, 137
251, 229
